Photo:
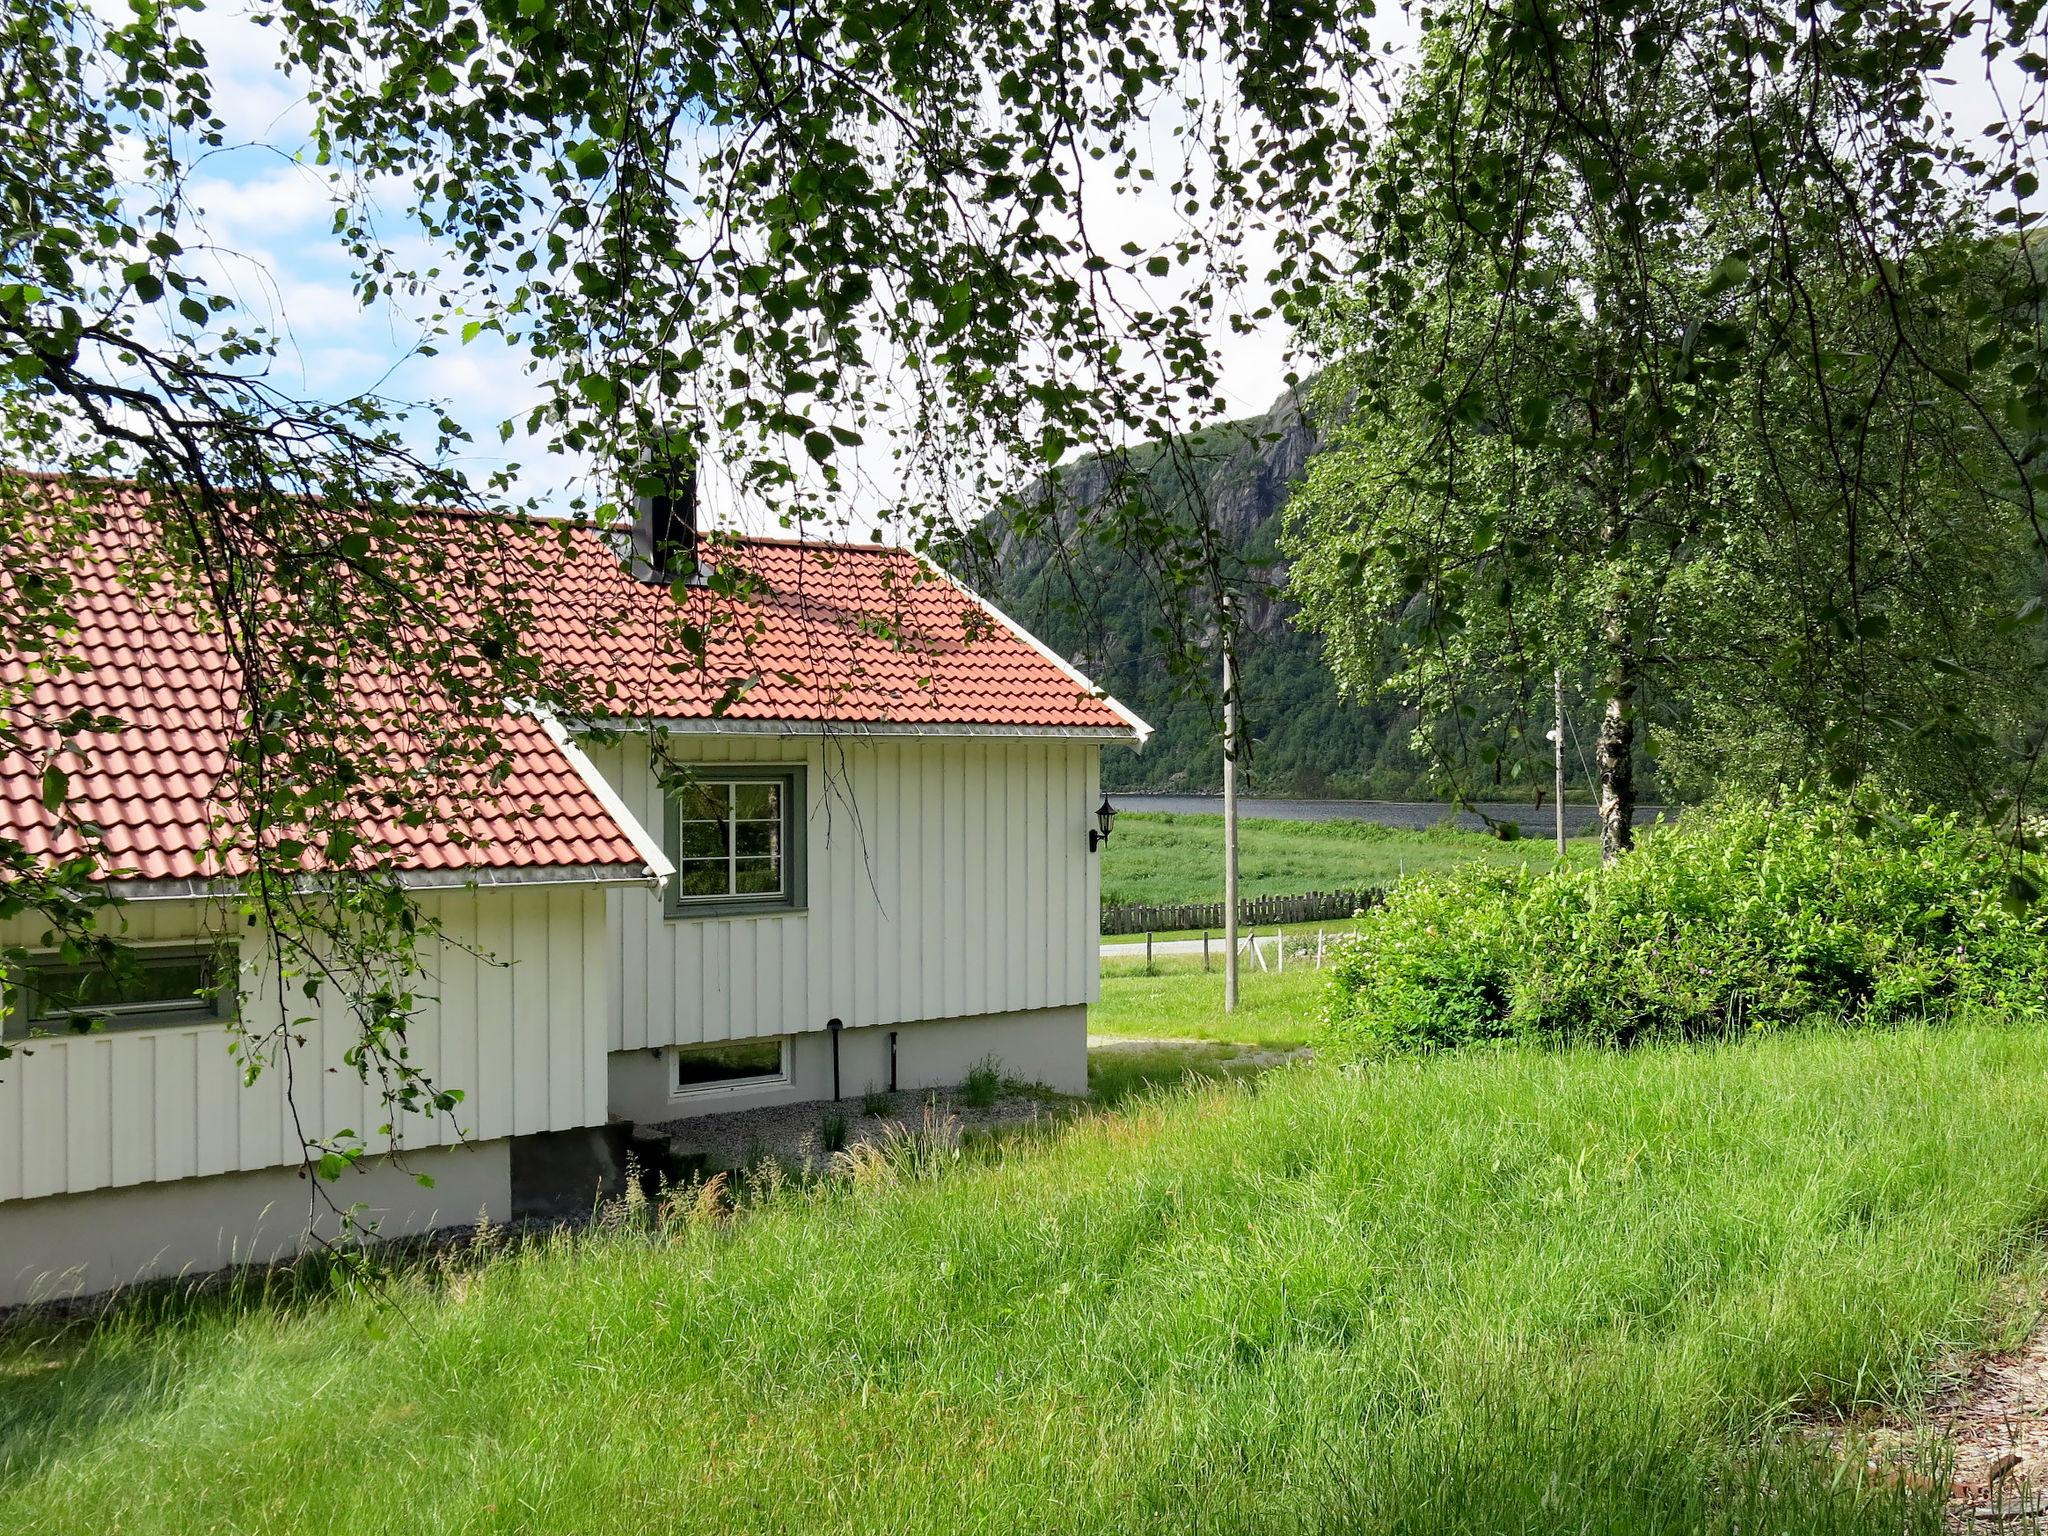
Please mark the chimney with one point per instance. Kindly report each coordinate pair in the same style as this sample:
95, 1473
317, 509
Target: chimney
665, 522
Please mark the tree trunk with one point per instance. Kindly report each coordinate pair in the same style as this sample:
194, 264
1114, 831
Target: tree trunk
1614, 755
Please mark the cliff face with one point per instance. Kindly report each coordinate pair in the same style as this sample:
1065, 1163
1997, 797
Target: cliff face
1098, 611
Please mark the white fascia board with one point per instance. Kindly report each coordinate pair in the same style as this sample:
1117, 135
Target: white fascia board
644, 842
727, 726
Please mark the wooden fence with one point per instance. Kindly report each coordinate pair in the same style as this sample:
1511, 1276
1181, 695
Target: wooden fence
1311, 907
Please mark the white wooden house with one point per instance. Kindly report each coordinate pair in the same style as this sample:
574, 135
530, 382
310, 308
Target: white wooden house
867, 865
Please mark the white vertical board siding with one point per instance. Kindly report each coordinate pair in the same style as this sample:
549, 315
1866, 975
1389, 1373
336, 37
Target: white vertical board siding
948, 877
524, 1040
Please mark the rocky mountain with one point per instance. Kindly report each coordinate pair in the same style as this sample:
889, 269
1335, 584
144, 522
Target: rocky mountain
1099, 611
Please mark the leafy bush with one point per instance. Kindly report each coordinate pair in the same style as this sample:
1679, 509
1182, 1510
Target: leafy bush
1751, 915
1432, 968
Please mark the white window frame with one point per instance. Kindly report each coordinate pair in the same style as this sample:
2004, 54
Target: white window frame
780, 1078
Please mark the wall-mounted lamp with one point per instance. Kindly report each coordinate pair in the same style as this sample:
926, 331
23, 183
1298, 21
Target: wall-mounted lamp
1105, 819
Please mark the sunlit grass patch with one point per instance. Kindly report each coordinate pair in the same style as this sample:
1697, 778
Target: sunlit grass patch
1170, 857
1179, 1001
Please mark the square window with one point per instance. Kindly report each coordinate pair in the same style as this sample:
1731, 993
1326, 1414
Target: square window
735, 837
756, 839
755, 801
758, 877
704, 840
705, 802
704, 877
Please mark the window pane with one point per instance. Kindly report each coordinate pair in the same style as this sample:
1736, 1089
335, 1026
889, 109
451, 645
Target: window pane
730, 843
757, 839
706, 802
758, 800
703, 840
759, 877
704, 877
735, 1061
169, 983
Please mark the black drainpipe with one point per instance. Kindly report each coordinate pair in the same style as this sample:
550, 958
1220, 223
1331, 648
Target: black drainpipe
835, 1025
892, 1061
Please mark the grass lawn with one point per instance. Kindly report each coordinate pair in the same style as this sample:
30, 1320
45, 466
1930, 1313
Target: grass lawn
1498, 1292
1164, 857
1278, 1009
1120, 1071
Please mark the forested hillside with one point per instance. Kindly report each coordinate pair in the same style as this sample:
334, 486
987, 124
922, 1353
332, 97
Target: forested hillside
1097, 610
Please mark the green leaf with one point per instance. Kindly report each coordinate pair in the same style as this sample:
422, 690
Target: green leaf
2020, 893
1731, 271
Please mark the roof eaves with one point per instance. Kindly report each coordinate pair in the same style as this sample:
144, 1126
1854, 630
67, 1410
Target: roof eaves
644, 842
199, 888
725, 725
1139, 730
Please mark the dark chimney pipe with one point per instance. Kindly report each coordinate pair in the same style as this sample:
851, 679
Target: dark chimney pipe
665, 522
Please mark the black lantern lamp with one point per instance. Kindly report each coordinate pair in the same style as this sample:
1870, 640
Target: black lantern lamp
1105, 819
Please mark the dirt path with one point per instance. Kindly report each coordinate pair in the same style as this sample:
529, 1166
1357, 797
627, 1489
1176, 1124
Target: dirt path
1997, 1418
1242, 1055
1994, 1418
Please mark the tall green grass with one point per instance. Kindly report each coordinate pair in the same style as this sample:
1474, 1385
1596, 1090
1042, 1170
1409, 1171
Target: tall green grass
1496, 1292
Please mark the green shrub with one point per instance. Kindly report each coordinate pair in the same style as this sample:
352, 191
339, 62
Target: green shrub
1751, 915
1431, 967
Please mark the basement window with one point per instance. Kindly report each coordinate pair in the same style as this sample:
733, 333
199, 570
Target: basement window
144, 989
731, 1065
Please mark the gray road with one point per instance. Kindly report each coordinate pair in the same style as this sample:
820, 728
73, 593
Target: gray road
1129, 946
1410, 814
1121, 948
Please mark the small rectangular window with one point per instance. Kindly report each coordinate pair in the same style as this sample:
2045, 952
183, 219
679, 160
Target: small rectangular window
144, 989
735, 836
731, 1065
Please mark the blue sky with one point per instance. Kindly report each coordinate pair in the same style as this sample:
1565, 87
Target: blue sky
271, 216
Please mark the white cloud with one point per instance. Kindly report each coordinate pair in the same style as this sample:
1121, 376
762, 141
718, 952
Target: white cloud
282, 198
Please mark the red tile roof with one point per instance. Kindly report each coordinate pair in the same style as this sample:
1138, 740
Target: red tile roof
842, 634
822, 634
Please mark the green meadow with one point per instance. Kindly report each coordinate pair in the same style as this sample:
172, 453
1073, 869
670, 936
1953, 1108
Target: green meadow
1503, 1291
1170, 857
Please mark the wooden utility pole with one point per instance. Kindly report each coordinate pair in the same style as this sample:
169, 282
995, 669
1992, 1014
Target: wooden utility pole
1229, 813
1557, 736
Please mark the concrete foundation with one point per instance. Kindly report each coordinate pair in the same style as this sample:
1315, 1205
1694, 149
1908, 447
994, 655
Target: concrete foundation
67, 1246
1044, 1045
